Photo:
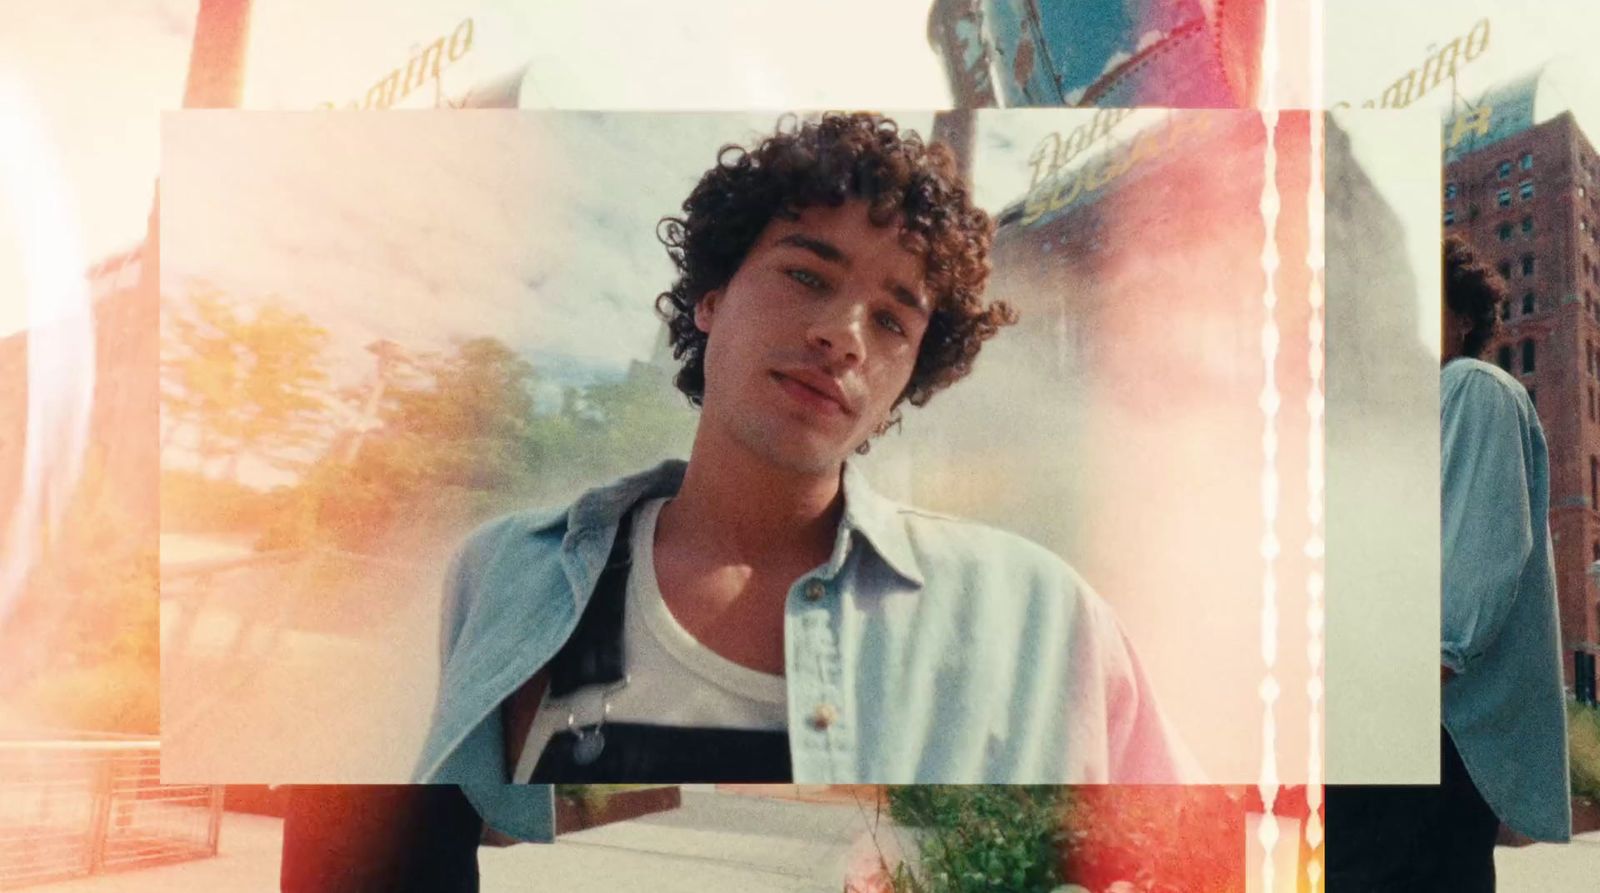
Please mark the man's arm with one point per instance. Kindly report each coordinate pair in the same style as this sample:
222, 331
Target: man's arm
1486, 527
1143, 747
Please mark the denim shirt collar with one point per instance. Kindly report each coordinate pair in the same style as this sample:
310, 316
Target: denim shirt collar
598, 511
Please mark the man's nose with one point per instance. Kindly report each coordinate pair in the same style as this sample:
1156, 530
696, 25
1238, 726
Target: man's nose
837, 331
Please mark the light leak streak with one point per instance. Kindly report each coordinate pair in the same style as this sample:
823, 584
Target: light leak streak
60, 332
1316, 476
1267, 831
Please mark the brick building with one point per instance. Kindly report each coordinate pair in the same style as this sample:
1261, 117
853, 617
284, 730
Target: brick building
1528, 203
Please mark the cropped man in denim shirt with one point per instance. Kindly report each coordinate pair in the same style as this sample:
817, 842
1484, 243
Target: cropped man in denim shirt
826, 278
1503, 747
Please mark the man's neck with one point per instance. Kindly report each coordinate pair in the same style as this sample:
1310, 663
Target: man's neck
738, 508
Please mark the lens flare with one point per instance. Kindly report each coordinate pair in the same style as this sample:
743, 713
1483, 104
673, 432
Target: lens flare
1267, 831
1316, 479
60, 333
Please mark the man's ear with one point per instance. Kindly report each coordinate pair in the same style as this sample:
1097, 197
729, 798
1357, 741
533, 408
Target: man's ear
705, 309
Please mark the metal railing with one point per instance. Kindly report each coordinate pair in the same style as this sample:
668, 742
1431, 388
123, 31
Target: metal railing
72, 808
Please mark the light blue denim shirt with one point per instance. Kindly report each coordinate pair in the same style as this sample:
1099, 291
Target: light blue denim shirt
943, 652
1500, 627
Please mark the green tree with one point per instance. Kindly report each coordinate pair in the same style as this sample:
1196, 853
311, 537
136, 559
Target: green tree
635, 421
82, 648
448, 443
462, 437
245, 384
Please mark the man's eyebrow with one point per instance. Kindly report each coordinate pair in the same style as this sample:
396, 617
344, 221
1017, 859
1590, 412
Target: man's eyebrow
820, 247
907, 297
828, 251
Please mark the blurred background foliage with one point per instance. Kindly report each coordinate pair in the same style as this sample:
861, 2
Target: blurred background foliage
431, 442
82, 650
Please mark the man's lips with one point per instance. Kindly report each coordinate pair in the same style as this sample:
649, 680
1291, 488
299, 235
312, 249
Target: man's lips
811, 393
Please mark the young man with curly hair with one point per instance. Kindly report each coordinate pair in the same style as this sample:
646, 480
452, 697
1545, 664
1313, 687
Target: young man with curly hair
759, 614
1503, 743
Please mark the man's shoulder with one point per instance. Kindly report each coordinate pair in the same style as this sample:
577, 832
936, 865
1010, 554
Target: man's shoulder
1472, 392
1481, 380
949, 544
527, 531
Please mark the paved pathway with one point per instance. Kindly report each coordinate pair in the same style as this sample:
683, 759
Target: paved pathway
717, 843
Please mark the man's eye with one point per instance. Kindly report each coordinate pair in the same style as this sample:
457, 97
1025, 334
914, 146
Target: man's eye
807, 278
888, 321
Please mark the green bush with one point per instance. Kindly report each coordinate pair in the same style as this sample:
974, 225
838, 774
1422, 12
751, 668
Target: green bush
974, 838
1159, 839
1583, 743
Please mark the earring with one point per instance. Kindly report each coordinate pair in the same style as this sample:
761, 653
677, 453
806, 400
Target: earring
892, 421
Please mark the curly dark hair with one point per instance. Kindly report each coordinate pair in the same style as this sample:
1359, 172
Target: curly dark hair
824, 163
1472, 290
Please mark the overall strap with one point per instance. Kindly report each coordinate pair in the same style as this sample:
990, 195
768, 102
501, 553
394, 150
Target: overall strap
593, 654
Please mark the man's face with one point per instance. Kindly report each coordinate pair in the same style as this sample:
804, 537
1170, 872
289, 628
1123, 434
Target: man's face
814, 338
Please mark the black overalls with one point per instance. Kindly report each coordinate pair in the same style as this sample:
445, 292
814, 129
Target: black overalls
641, 753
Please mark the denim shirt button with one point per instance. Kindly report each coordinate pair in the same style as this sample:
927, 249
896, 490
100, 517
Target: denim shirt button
814, 590
823, 716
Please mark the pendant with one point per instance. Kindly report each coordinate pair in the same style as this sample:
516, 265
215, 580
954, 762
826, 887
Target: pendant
588, 746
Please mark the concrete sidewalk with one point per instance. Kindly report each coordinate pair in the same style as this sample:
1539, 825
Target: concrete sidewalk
1550, 868
716, 843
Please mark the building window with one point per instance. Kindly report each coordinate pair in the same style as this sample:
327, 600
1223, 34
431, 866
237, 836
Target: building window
1505, 232
1527, 357
1592, 417
1527, 226
1449, 191
1525, 189
1527, 161
1503, 358
1527, 265
1449, 216
1472, 213
1505, 313
1505, 269
1527, 304
1503, 198
1503, 170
